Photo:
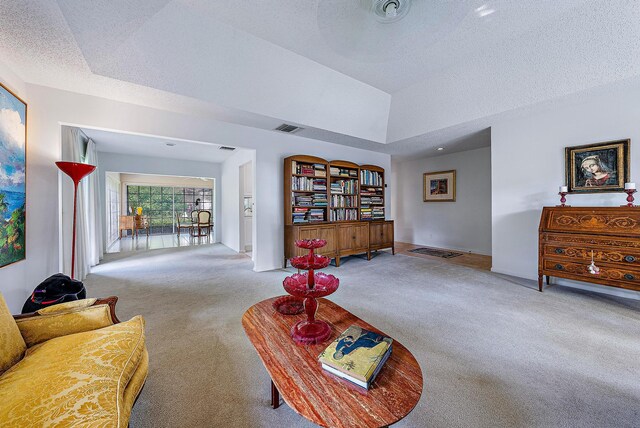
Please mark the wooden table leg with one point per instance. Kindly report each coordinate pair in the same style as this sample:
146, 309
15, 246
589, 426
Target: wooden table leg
275, 396
540, 283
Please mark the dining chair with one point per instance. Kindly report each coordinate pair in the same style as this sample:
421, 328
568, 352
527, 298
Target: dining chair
183, 225
141, 222
204, 222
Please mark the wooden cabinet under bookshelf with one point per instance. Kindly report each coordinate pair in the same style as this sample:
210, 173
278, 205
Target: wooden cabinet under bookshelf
337, 201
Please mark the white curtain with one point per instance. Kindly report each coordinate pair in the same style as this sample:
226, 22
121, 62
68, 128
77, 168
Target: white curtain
75, 148
94, 225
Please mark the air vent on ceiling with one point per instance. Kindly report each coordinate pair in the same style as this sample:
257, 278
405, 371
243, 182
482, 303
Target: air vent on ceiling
227, 148
289, 129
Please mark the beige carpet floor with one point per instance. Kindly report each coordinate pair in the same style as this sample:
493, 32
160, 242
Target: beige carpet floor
494, 352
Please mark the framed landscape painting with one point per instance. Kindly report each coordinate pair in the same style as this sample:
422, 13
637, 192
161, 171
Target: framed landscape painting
13, 138
439, 186
601, 167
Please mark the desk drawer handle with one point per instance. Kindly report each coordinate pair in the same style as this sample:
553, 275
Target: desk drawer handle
629, 259
559, 250
629, 277
559, 267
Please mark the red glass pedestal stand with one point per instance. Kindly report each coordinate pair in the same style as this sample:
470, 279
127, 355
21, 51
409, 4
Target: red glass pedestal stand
310, 286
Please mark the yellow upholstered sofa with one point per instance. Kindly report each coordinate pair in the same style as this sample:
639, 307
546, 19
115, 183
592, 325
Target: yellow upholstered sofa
72, 364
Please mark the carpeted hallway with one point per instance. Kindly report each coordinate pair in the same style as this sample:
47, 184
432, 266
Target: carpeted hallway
494, 353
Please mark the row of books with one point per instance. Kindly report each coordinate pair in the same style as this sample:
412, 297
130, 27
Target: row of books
370, 178
308, 215
342, 214
371, 200
310, 184
344, 201
317, 169
340, 187
316, 200
375, 213
342, 172
370, 191
357, 355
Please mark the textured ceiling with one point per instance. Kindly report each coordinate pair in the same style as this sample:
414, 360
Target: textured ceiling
447, 63
342, 35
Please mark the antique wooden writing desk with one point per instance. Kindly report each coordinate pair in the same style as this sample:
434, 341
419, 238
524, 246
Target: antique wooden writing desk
571, 236
322, 397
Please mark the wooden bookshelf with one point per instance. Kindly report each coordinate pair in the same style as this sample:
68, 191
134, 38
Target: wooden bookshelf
306, 190
372, 204
344, 186
335, 201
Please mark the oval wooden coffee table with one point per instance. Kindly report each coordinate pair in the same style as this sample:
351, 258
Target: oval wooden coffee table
317, 395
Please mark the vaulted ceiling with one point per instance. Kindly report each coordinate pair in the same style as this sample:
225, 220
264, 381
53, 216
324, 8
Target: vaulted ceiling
434, 77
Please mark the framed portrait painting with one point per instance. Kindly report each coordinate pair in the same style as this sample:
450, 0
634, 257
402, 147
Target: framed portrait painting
439, 186
601, 167
13, 138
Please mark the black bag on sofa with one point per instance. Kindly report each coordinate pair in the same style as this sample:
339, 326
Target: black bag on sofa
58, 288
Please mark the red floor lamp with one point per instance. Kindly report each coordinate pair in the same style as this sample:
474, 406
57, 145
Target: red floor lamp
77, 171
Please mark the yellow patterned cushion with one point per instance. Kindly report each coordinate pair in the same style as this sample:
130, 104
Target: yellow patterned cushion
74, 380
38, 329
12, 345
67, 306
135, 384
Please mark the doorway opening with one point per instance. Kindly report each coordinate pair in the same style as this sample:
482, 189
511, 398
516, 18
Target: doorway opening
146, 211
246, 208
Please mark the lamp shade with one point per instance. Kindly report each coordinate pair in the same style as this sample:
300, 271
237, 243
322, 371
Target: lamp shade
76, 170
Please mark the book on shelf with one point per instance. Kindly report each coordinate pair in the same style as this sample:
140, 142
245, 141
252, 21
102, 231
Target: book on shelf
340, 187
310, 169
372, 200
339, 201
378, 213
370, 178
357, 355
344, 214
371, 191
343, 172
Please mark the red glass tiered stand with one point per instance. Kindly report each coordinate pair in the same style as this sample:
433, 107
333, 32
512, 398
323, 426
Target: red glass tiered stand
310, 285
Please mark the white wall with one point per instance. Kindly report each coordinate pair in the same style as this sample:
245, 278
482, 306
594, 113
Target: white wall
161, 166
230, 231
528, 166
462, 225
50, 108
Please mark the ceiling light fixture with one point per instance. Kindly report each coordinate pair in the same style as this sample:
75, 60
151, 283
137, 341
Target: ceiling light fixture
440, 149
484, 10
387, 11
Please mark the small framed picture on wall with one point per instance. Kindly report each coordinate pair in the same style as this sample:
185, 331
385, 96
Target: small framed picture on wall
601, 167
439, 186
